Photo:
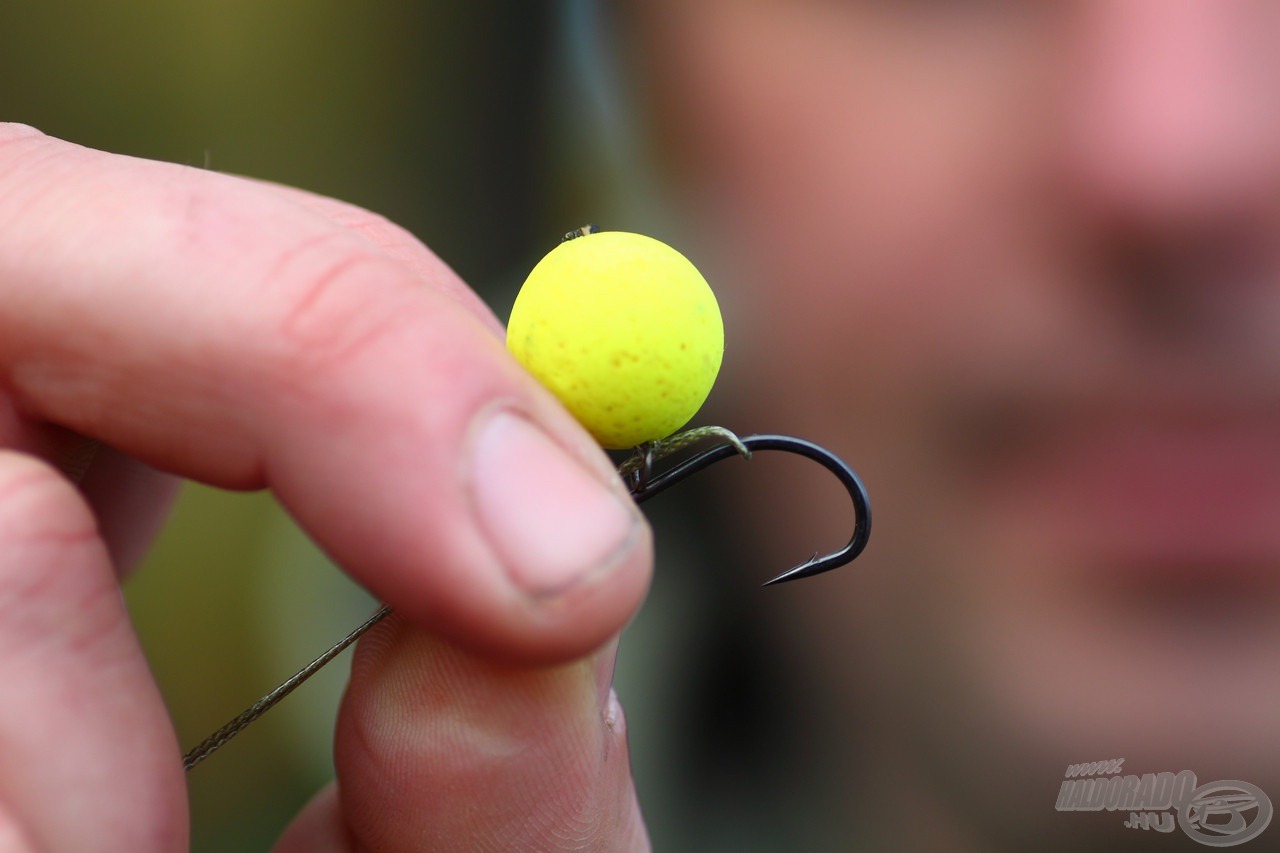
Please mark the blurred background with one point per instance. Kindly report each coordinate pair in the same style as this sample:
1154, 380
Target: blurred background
1015, 261
453, 119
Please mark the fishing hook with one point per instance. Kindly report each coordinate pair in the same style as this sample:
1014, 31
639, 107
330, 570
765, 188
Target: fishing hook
644, 481
644, 484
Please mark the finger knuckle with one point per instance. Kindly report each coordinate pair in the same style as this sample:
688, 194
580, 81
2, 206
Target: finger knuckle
44, 524
38, 505
333, 300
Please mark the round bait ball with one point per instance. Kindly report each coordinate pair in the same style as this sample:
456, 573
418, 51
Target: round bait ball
624, 330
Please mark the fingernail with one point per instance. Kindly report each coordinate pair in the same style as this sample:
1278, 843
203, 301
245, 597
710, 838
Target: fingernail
550, 520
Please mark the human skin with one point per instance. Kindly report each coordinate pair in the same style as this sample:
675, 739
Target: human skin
252, 336
1020, 264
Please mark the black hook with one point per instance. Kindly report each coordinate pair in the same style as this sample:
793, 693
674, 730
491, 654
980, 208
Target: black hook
644, 484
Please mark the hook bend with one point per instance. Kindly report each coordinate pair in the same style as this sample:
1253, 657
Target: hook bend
651, 484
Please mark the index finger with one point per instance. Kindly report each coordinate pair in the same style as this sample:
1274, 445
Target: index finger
220, 329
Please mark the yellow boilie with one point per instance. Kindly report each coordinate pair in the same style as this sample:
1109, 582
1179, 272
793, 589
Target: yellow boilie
624, 330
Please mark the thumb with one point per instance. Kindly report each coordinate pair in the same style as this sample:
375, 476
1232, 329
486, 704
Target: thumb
440, 750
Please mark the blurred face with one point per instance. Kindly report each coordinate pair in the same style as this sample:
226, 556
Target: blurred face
1019, 262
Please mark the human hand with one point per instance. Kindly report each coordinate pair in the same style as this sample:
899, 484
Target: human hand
252, 336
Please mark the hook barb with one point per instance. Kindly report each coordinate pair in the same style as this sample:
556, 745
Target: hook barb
650, 484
